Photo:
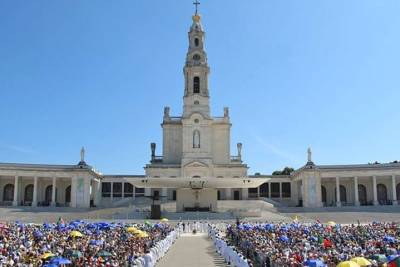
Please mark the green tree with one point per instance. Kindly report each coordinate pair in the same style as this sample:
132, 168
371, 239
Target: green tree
285, 171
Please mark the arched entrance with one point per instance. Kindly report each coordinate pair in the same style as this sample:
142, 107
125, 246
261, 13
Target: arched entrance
323, 194
362, 194
343, 196
28, 194
382, 194
48, 194
68, 194
8, 192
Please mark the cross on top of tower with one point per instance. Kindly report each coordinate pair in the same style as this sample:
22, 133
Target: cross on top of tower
196, 3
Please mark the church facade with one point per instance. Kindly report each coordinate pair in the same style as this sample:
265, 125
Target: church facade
196, 167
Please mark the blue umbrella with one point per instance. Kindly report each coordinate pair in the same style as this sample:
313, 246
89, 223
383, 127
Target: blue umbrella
60, 260
284, 238
392, 257
47, 226
37, 234
389, 239
314, 263
96, 242
50, 265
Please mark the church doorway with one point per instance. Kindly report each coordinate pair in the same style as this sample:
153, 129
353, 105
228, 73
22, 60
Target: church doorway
236, 195
218, 195
174, 195
382, 194
362, 194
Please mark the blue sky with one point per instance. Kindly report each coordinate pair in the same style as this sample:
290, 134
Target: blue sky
294, 73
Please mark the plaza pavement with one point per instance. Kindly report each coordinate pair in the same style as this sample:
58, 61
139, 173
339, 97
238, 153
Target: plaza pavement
339, 215
192, 251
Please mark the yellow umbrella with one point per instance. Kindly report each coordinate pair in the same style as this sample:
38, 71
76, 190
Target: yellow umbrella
75, 234
47, 255
143, 235
348, 264
331, 223
132, 229
164, 220
361, 261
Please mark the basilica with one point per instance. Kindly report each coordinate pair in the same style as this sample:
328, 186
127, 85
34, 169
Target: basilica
196, 168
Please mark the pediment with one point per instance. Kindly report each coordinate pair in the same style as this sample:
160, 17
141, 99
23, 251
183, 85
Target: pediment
196, 164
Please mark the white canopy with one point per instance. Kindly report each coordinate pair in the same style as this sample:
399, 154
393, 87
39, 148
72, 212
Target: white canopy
197, 183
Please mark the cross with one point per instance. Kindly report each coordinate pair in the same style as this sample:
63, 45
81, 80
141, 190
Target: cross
196, 3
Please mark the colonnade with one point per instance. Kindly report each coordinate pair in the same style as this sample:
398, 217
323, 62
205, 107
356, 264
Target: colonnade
374, 190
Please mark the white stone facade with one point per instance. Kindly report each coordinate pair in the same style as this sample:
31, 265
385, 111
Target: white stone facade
196, 145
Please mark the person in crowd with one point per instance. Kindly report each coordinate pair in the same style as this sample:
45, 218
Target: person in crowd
85, 244
296, 244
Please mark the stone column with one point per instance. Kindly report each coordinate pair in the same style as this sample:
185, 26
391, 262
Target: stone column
15, 199
374, 190
147, 192
394, 193
338, 203
73, 192
112, 192
269, 190
123, 190
97, 192
228, 194
245, 193
258, 192
280, 190
35, 188
53, 193
356, 200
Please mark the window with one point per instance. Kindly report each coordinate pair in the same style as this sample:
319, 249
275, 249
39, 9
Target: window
117, 189
128, 190
286, 190
139, 191
196, 120
196, 85
196, 42
196, 102
275, 190
196, 139
253, 192
106, 189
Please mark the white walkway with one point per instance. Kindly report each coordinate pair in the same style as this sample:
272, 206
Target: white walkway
192, 251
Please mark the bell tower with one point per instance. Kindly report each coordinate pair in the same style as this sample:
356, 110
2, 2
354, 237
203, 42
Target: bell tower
196, 71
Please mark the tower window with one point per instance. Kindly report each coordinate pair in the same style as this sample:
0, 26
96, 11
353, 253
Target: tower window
196, 42
196, 102
196, 85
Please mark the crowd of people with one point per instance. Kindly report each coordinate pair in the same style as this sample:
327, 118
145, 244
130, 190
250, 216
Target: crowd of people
80, 243
317, 244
